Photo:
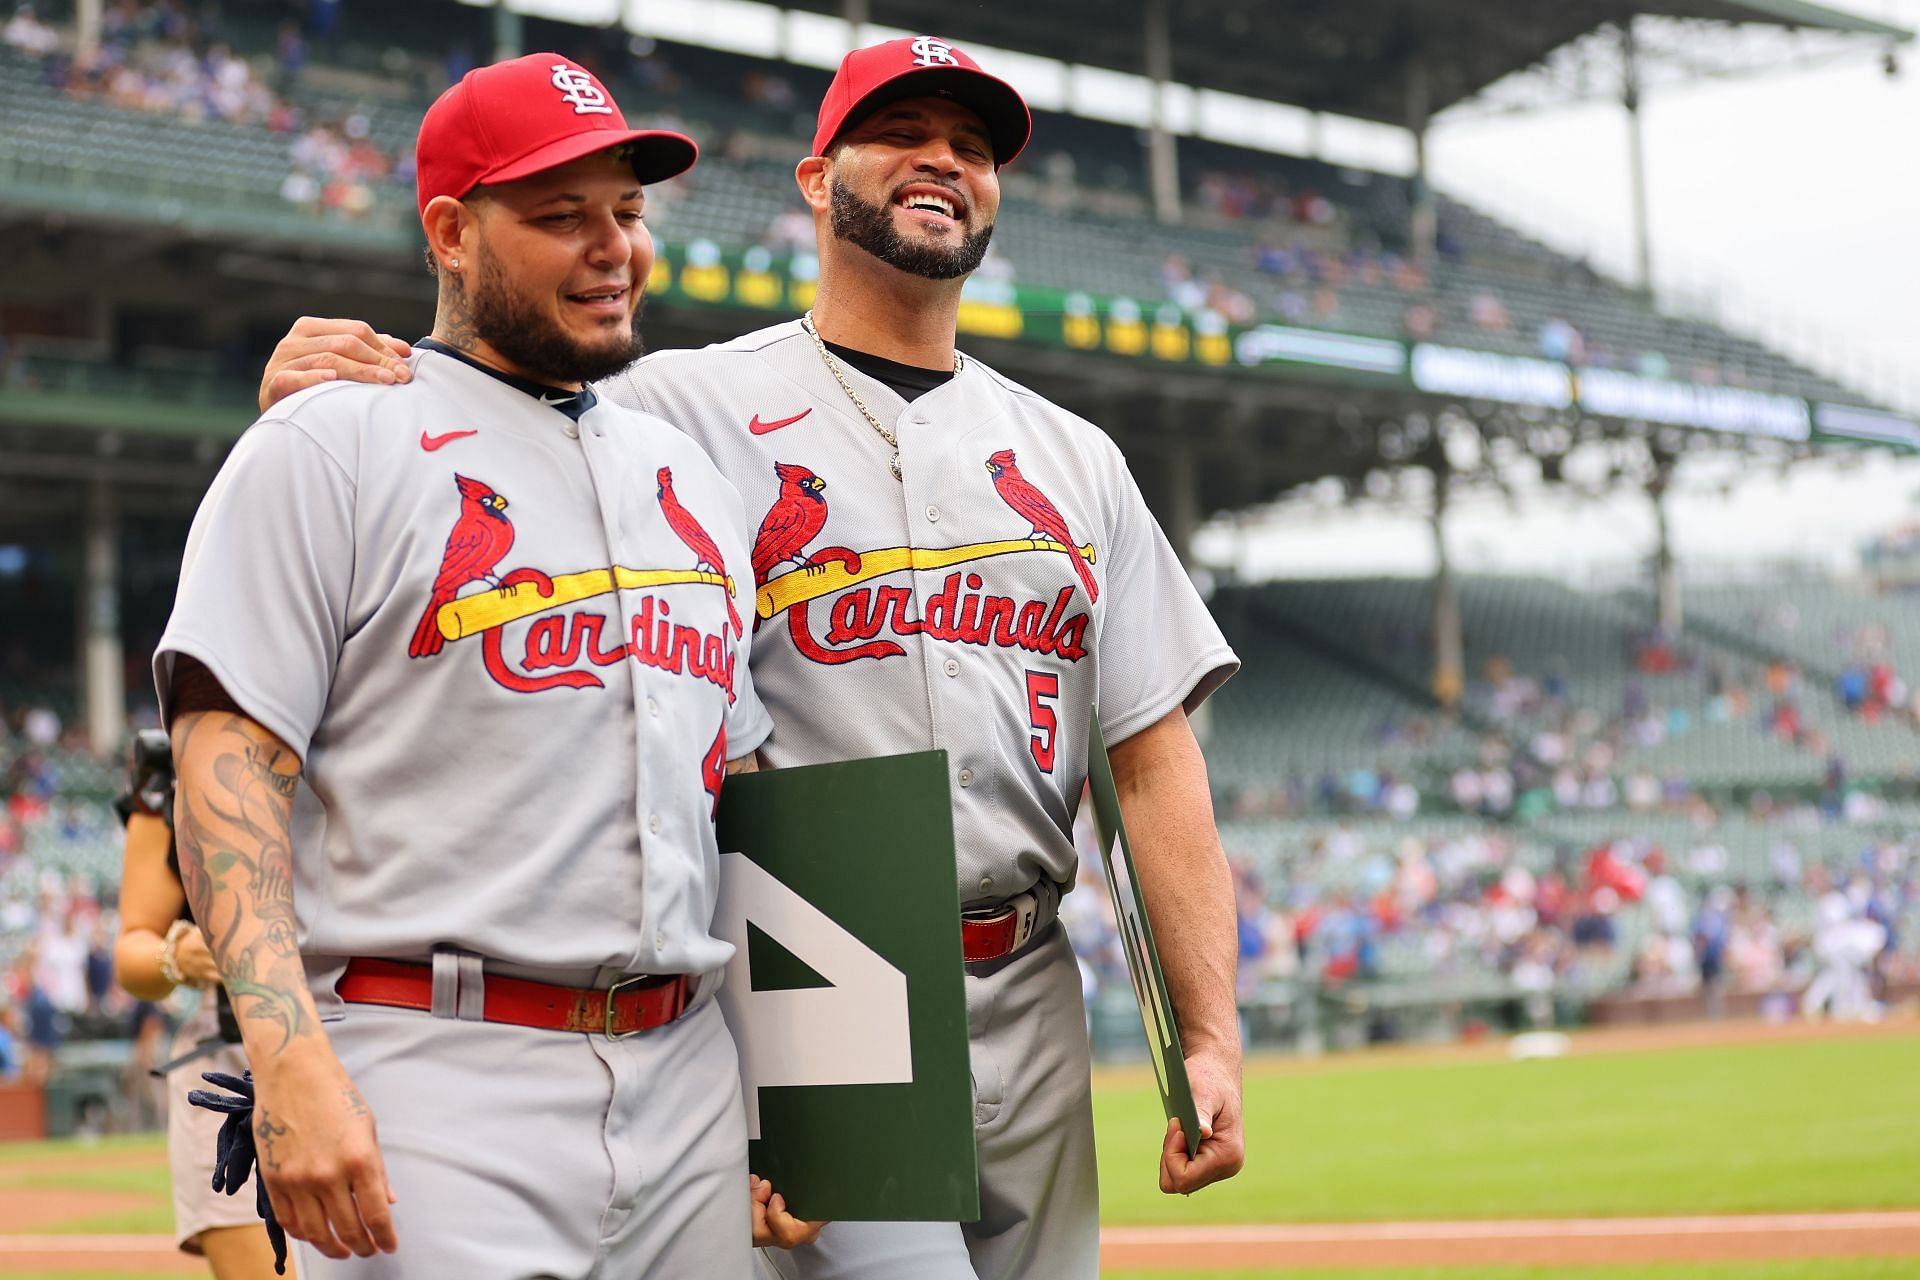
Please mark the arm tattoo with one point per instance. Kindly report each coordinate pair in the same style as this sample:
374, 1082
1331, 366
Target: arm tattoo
234, 816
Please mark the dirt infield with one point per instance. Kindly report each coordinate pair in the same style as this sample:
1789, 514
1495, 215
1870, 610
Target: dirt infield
1569, 1242
1536, 1242
119, 1255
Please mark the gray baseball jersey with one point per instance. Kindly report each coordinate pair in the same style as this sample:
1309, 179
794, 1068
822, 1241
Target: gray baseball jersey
504, 644
505, 629
995, 646
980, 605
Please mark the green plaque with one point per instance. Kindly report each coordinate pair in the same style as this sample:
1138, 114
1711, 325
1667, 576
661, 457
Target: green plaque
846, 991
1136, 938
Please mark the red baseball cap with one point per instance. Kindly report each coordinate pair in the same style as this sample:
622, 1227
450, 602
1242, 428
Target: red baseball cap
518, 118
916, 67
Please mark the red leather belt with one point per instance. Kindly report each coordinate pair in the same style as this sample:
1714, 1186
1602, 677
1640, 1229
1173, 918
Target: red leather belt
1000, 934
629, 1006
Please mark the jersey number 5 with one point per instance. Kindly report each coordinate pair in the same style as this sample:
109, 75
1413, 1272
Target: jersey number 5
1043, 687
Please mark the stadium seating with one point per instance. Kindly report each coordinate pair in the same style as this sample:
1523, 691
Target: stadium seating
1331, 665
1540, 628
1821, 624
1296, 711
1093, 237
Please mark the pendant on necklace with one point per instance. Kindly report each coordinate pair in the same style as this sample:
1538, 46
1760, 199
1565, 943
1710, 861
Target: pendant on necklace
893, 465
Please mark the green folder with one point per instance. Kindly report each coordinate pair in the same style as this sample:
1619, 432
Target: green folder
1136, 937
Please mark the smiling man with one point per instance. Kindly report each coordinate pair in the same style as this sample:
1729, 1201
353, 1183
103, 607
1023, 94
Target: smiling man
1043, 583
449, 833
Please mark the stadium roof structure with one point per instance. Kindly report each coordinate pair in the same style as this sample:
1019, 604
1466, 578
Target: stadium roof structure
1348, 57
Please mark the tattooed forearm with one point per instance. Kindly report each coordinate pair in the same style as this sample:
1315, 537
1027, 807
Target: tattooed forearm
233, 818
264, 1000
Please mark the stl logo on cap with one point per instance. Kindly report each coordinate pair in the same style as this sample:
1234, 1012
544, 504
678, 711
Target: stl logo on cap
578, 90
931, 51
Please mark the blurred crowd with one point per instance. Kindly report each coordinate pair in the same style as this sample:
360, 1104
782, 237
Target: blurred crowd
58, 984
59, 865
1615, 917
165, 57
1868, 680
161, 57
1365, 901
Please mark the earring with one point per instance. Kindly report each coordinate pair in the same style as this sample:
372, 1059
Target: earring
454, 263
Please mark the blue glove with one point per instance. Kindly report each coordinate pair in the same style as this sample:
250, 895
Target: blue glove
234, 1154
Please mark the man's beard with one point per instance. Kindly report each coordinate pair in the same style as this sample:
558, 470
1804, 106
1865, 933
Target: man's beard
870, 227
540, 348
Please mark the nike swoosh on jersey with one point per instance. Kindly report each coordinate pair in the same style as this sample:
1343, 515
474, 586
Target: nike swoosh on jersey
760, 428
430, 443
547, 399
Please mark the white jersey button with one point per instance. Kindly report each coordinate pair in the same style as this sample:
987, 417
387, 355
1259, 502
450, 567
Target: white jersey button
571, 428
660, 940
653, 708
653, 823
933, 515
986, 884
952, 667
966, 777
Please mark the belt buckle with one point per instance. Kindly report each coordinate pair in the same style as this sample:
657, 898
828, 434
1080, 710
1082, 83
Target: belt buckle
632, 980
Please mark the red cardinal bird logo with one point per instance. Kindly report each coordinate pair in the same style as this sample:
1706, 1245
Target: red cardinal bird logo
795, 519
705, 552
1017, 492
481, 538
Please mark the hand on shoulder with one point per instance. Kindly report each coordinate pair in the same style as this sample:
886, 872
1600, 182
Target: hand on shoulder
318, 350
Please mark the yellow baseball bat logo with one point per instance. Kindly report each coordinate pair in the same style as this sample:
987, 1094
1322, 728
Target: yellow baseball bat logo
802, 585
485, 610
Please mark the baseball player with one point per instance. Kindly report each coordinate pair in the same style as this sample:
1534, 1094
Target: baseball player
1043, 584
453, 679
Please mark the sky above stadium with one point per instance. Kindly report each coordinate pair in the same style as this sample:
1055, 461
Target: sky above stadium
1792, 199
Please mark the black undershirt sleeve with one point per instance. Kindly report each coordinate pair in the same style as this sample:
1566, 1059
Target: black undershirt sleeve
197, 689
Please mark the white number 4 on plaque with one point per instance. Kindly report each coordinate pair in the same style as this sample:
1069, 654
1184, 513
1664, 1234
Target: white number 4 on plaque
853, 1032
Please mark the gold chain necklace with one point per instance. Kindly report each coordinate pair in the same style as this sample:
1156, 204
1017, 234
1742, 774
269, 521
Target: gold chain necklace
873, 420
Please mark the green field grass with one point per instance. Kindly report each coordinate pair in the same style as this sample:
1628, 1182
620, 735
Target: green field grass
132, 1165
22, 1153
1804, 1125
1807, 1125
